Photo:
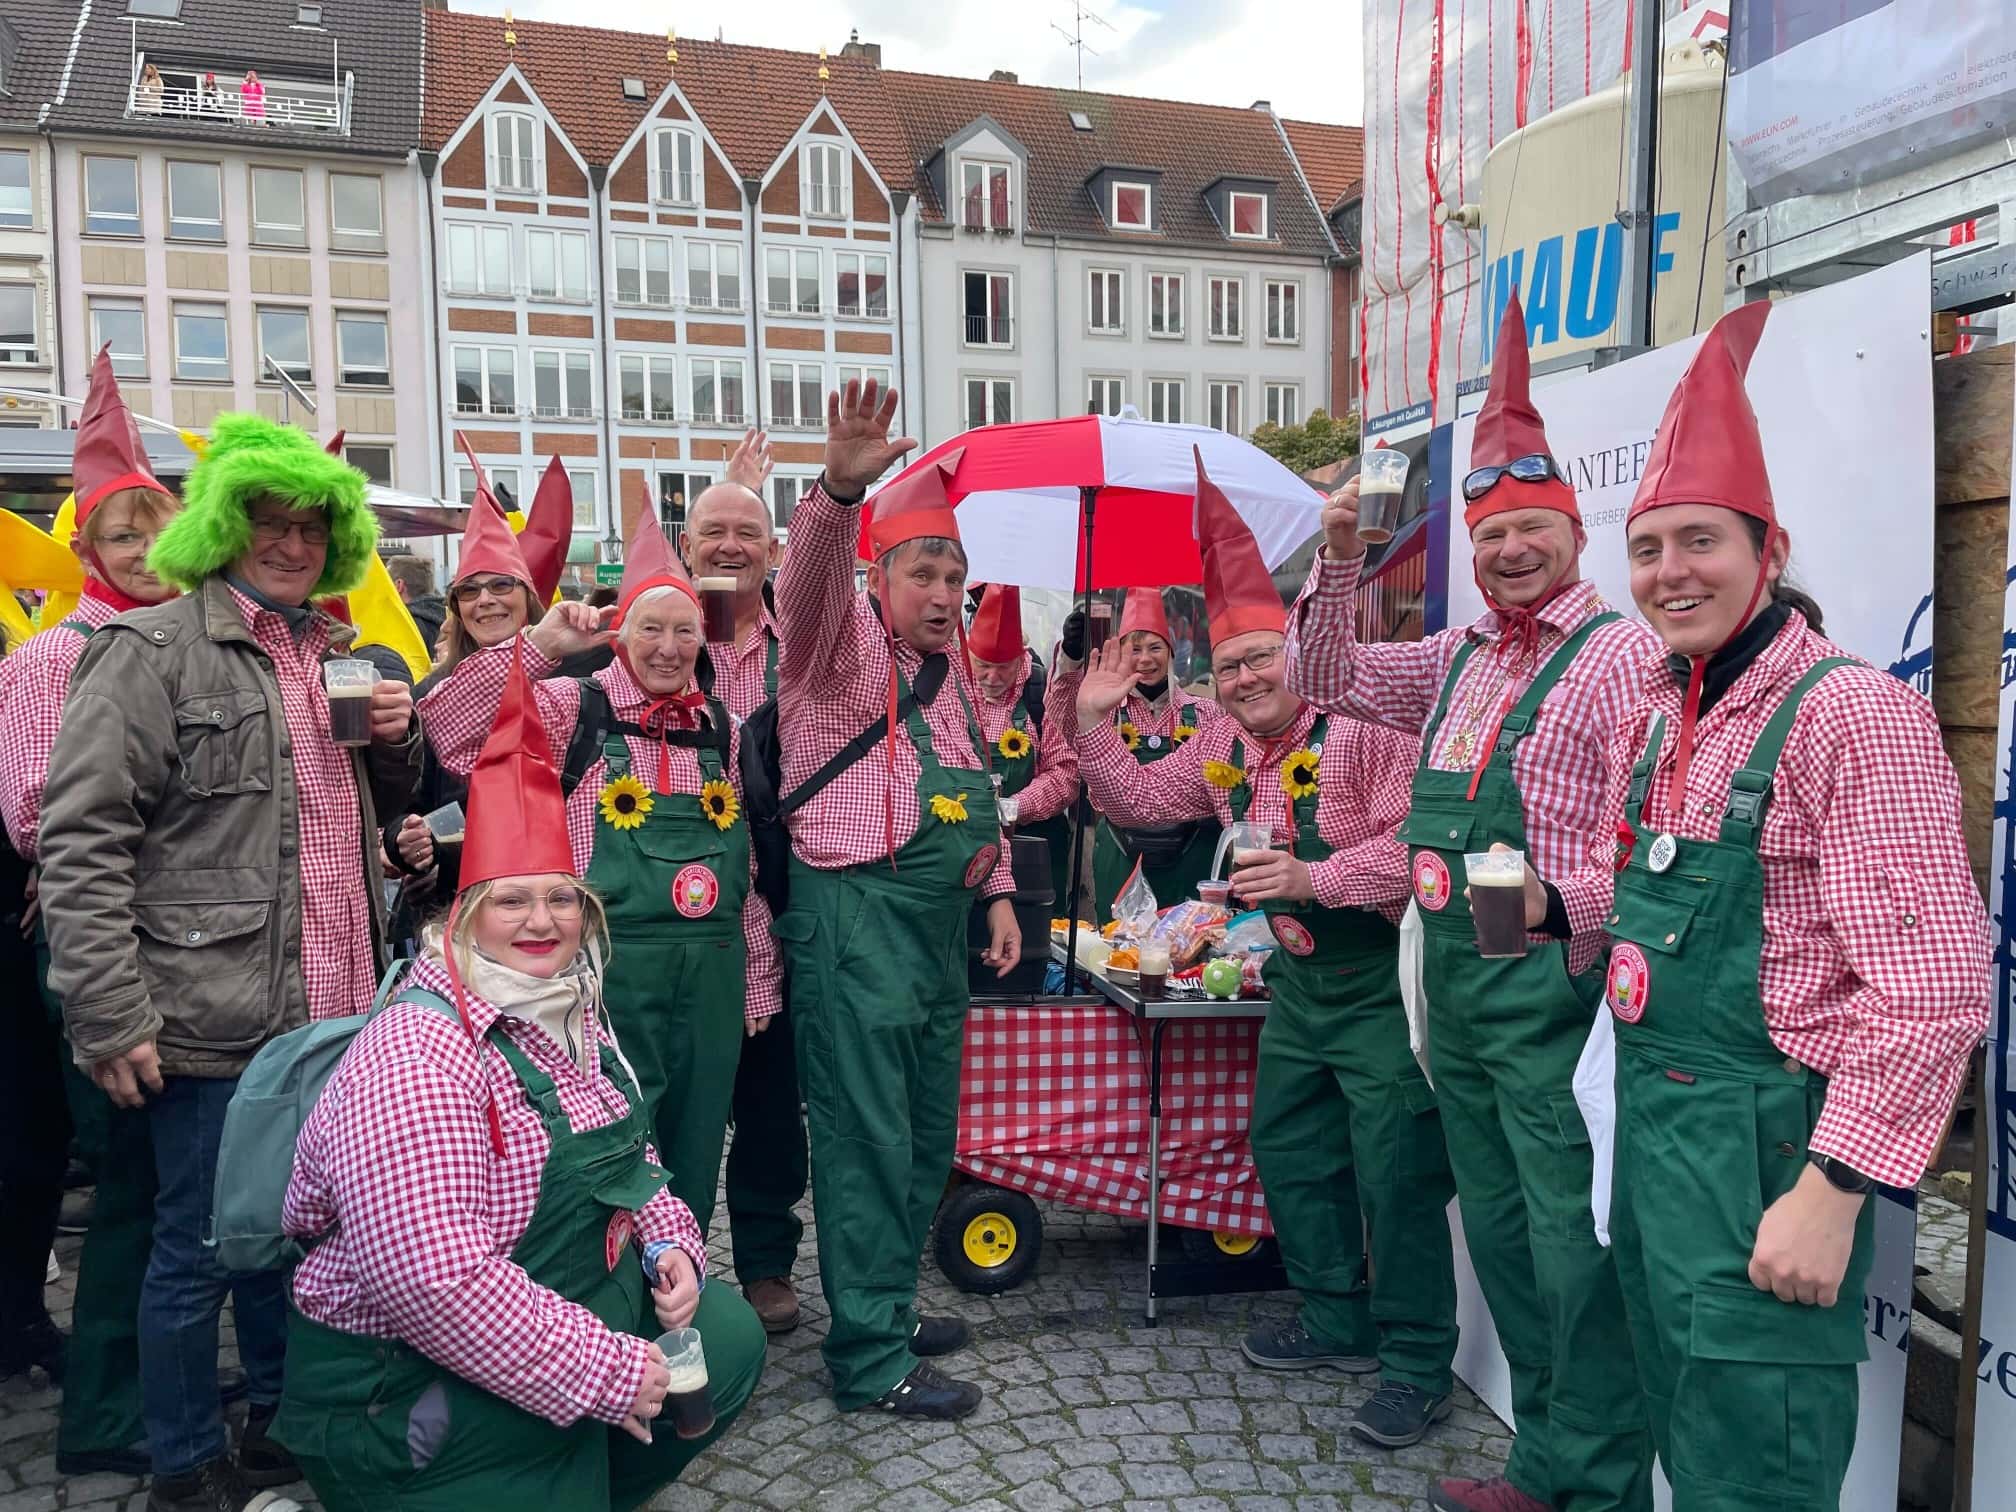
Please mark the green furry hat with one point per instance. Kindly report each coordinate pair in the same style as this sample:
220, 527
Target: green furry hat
251, 456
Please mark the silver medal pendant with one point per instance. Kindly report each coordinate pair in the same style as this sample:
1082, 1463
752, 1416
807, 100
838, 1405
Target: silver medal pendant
1660, 857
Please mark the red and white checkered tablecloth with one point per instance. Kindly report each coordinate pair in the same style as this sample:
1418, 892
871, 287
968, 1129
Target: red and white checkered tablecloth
1053, 1101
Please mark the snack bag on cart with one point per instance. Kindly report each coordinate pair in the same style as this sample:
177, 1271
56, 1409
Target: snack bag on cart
1134, 910
1189, 929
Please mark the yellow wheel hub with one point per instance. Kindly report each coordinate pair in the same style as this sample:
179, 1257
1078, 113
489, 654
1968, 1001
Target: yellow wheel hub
1236, 1244
990, 1240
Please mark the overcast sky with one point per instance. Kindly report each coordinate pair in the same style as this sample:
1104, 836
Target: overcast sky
1301, 54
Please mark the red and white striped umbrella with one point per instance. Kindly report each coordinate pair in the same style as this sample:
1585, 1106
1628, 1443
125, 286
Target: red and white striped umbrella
1021, 492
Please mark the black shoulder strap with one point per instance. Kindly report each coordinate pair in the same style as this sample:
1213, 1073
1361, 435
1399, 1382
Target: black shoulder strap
591, 725
1032, 694
844, 758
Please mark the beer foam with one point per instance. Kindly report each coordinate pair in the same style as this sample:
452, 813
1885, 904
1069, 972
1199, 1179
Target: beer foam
717, 585
350, 692
1378, 486
687, 1375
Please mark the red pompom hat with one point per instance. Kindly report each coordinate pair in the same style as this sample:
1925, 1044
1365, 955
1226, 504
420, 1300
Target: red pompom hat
1709, 450
1144, 611
549, 530
996, 632
1239, 592
1509, 427
107, 455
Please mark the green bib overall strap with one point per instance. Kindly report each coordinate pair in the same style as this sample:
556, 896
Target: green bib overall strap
1175, 861
83, 627
1713, 1122
770, 665
1017, 772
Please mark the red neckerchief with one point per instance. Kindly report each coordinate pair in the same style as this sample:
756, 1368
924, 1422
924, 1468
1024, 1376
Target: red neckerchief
1518, 637
680, 711
103, 589
1690, 707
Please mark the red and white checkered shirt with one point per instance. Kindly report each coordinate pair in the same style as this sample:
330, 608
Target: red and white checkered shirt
395, 1167
1055, 784
457, 716
1876, 958
338, 969
738, 669
1367, 781
34, 681
1559, 767
834, 682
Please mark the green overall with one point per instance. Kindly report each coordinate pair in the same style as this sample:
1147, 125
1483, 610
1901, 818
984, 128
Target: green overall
1111, 865
379, 1427
1016, 775
1753, 1400
677, 977
101, 1395
877, 958
1505, 1036
767, 1170
1345, 1134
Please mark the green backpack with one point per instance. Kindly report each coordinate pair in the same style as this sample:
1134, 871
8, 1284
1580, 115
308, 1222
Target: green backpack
255, 1158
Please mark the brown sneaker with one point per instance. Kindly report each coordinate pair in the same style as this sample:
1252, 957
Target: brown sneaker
775, 1302
1495, 1495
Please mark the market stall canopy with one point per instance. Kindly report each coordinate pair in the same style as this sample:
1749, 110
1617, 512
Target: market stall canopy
1018, 495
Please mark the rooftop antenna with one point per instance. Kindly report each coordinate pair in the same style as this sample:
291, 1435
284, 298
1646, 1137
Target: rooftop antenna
1076, 36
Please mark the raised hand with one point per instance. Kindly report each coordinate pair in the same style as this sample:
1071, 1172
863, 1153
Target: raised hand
858, 448
571, 627
752, 462
1106, 686
1340, 523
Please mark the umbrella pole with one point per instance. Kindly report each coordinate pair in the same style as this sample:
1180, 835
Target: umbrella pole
1081, 811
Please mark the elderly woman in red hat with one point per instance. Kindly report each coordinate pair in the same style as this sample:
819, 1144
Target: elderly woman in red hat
1038, 770
1800, 968
654, 812
484, 1212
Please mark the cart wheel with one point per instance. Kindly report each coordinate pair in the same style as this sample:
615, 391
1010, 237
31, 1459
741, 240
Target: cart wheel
988, 1238
1221, 1248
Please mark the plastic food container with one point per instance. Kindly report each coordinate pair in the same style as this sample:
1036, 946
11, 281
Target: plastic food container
1217, 894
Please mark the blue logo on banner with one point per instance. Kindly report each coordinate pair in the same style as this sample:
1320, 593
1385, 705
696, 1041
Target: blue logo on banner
1573, 283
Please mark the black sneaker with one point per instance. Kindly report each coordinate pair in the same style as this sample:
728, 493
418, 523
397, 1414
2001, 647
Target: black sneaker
938, 1336
133, 1459
214, 1487
262, 1460
1290, 1346
1397, 1415
39, 1343
929, 1393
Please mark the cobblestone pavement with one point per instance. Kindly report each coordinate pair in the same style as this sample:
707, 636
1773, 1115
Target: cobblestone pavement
1942, 1238
1086, 1407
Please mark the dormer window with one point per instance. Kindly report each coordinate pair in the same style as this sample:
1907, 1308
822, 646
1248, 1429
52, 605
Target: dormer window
514, 152
1130, 206
1248, 218
983, 196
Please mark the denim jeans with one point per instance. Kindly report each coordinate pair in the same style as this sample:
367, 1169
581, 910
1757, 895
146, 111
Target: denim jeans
185, 1287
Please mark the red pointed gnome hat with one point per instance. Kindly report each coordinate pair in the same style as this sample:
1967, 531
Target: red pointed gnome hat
549, 529
334, 445
914, 506
1144, 611
648, 562
1239, 593
996, 632
515, 814
1509, 427
1708, 449
488, 546
108, 454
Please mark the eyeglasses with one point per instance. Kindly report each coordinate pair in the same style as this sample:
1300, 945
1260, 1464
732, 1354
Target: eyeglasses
1534, 467
516, 907
126, 540
471, 589
271, 530
1256, 660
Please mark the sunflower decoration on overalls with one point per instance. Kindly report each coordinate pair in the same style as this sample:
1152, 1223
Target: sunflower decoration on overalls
1130, 735
625, 801
1014, 743
1299, 773
1182, 732
1222, 774
948, 808
718, 802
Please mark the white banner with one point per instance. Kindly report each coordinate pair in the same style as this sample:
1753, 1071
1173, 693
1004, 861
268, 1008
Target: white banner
1842, 386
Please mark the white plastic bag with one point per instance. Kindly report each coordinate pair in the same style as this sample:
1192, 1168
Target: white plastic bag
1411, 993
1596, 1095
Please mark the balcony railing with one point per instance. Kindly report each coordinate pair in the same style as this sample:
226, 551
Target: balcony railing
980, 215
990, 330
197, 95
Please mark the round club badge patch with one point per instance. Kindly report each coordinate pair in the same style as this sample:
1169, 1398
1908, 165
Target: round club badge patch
616, 1238
1660, 857
1629, 983
1154, 742
1294, 935
981, 864
695, 891
1431, 881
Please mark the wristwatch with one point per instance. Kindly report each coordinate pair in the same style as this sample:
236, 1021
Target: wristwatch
1841, 1177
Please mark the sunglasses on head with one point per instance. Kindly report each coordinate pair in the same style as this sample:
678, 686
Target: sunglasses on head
1534, 467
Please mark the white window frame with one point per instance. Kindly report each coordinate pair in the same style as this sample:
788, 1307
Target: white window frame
798, 421
481, 239
821, 197
198, 310
1232, 199
584, 486
1170, 330
527, 169
487, 403
21, 220
212, 230
976, 200
351, 374
504, 478
136, 363
12, 355
568, 364
862, 264
1234, 305
715, 368
989, 390
1160, 392
1147, 221
357, 238
882, 374
715, 254
1220, 414
672, 184
1281, 403
797, 485
1283, 296
1106, 296
138, 217
643, 249
649, 368
797, 262
352, 448
1105, 394
987, 318
560, 244
259, 314
277, 233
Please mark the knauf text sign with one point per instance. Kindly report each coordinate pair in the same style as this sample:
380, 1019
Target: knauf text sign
1570, 286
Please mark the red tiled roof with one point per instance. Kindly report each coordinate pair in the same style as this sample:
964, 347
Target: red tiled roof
1332, 158
753, 99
